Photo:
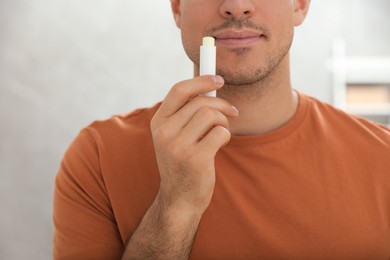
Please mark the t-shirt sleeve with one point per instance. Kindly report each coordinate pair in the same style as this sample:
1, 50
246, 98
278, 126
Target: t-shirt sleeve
85, 226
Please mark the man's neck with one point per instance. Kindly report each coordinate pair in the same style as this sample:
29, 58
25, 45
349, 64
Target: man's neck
263, 115
263, 107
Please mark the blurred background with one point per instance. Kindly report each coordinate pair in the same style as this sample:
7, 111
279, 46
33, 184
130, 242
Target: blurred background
66, 63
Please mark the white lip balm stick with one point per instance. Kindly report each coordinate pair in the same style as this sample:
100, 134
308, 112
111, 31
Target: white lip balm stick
208, 60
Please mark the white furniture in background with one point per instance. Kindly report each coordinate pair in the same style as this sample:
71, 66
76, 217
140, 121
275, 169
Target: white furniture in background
367, 71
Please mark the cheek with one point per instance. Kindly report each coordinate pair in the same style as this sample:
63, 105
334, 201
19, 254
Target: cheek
190, 41
192, 29
192, 24
280, 14
282, 24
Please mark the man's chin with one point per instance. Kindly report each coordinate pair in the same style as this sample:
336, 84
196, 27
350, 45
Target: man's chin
240, 78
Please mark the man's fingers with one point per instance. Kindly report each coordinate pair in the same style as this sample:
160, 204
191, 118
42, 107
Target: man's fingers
186, 113
183, 91
217, 137
204, 120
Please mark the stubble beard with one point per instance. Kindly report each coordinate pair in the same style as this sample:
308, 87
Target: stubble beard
258, 78
254, 81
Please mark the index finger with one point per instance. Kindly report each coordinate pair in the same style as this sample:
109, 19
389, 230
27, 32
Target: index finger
183, 91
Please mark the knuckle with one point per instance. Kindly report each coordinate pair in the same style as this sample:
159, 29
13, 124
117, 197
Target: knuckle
178, 89
198, 102
161, 135
222, 131
222, 134
207, 112
224, 121
214, 116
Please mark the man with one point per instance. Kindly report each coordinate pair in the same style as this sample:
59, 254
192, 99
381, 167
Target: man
261, 171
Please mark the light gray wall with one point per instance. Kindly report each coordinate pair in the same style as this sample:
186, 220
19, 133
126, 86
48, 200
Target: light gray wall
364, 25
65, 63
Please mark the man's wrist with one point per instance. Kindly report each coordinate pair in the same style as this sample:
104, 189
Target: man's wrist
167, 231
177, 211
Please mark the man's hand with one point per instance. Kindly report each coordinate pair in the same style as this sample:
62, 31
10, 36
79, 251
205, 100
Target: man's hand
188, 130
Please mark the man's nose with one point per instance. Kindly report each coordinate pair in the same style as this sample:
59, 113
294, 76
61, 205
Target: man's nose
236, 9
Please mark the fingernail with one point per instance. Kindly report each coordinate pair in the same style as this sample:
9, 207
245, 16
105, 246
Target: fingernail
235, 110
218, 79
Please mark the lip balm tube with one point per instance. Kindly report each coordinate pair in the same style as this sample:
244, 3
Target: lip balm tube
208, 60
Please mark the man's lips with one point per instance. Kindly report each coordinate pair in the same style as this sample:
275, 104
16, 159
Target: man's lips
238, 38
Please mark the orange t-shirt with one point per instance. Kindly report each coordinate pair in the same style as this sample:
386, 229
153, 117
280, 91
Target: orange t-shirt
317, 188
